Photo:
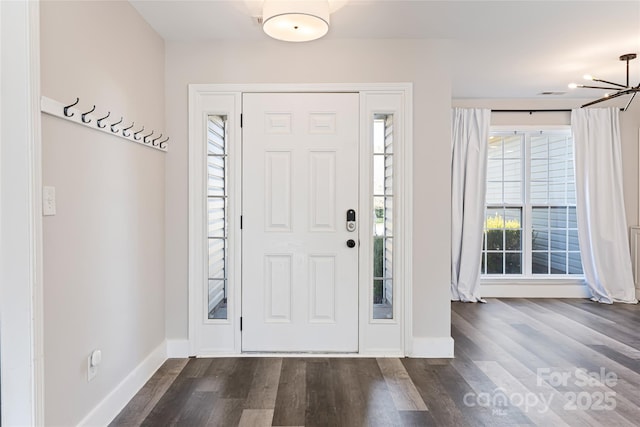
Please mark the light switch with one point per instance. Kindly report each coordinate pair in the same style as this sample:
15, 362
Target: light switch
48, 201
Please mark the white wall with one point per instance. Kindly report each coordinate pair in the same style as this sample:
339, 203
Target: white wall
629, 127
104, 249
424, 63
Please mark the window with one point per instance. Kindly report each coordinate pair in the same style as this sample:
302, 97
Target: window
383, 217
530, 216
216, 216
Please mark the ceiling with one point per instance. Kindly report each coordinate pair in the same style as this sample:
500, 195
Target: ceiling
500, 49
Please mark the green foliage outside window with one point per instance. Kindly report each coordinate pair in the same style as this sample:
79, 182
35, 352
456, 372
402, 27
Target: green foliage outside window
378, 268
501, 236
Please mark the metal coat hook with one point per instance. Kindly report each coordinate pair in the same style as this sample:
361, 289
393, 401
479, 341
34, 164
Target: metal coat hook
66, 109
84, 115
113, 125
124, 130
101, 119
161, 143
135, 134
144, 137
153, 141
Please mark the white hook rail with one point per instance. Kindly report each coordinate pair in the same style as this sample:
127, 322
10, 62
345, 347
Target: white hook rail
113, 127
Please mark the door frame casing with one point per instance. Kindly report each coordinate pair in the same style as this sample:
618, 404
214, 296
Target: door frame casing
202, 104
21, 279
376, 337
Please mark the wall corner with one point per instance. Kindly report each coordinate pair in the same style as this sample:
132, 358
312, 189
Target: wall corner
432, 347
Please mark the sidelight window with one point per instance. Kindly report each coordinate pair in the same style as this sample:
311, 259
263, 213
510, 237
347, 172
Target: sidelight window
383, 217
217, 234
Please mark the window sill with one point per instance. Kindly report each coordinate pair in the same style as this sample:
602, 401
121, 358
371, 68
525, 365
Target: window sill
540, 280
543, 287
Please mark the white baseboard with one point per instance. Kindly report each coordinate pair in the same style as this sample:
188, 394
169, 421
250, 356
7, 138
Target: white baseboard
118, 398
432, 347
539, 290
379, 353
177, 349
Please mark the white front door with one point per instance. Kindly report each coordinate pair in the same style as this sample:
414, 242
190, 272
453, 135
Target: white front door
300, 177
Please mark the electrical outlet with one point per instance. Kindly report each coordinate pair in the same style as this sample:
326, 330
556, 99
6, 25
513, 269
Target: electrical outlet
48, 201
93, 361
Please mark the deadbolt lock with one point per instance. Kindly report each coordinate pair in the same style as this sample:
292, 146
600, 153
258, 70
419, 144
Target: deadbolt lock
351, 220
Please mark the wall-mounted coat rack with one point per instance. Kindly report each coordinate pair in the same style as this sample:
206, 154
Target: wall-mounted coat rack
120, 128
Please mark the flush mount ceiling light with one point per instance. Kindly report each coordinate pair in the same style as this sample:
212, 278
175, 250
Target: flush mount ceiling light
616, 88
295, 21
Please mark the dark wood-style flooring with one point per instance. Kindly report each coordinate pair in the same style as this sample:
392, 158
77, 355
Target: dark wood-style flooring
519, 362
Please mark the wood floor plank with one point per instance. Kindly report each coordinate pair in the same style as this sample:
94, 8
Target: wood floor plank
455, 385
197, 409
619, 313
557, 400
480, 398
320, 395
519, 329
264, 387
403, 391
579, 331
416, 419
240, 378
144, 401
362, 395
609, 353
290, 408
196, 367
225, 413
471, 347
442, 407
215, 377
622, 330
350, 398
256, 418
621, 335
498, 346
169, 408
535, 406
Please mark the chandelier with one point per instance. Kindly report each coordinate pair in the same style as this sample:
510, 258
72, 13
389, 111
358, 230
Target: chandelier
616, 89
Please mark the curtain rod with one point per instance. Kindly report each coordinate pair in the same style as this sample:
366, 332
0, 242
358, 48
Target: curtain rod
561, 110
533, 111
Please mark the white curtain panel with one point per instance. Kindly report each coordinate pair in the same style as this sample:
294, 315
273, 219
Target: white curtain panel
470, 135
602, 226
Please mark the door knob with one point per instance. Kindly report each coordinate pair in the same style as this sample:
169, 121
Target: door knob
351, 243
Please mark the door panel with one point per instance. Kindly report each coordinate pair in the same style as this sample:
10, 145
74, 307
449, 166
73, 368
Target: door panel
277, 197
300, 176
323, 191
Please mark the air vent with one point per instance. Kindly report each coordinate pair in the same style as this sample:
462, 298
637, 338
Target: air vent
552, 93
